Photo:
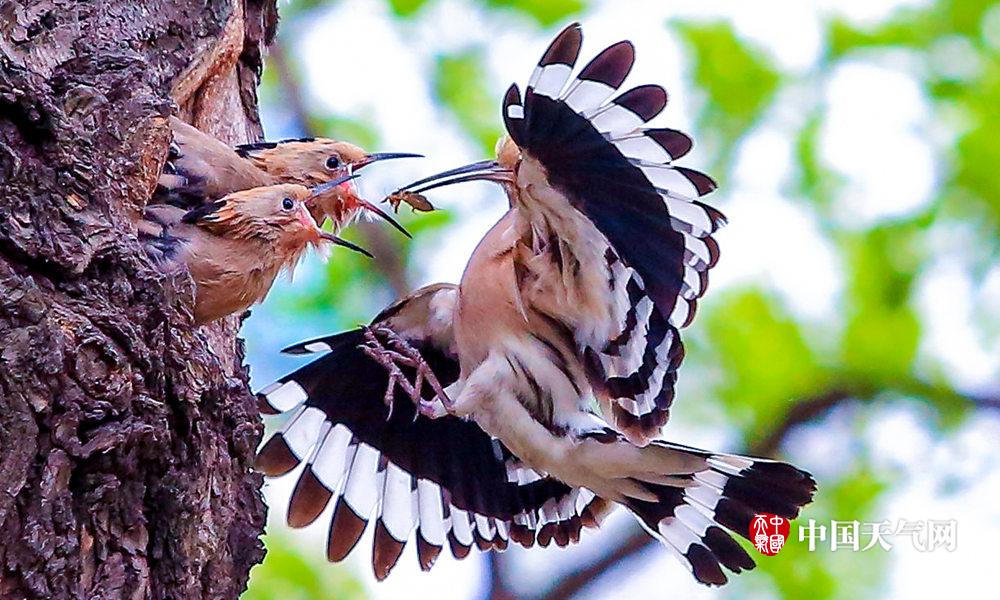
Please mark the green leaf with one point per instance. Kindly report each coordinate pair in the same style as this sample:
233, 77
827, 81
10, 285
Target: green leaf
738, 80
545, 13
286, 574
766, 362
973, 190
813, 182
883, 331
406, 8
460, 86
916, 28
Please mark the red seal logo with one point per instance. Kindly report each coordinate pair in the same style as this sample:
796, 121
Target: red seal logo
769, 533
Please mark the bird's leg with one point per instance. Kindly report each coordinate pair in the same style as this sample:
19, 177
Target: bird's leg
395, 352
375, 350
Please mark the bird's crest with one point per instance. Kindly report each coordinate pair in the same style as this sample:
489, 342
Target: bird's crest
248, 150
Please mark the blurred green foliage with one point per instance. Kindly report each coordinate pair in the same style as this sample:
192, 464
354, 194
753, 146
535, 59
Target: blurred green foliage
546, 14
737, 81
766, 361
459, 87
766, 358
288, 574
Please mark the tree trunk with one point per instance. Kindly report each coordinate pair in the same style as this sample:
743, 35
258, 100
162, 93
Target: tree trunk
126, 433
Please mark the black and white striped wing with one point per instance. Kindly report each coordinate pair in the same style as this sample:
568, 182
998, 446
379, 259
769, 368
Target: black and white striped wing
444, 479
708, 498
598, 152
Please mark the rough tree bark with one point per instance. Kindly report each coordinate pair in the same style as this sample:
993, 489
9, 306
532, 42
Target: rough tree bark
126, 433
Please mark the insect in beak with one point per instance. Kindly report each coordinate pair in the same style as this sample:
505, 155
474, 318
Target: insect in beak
488, 170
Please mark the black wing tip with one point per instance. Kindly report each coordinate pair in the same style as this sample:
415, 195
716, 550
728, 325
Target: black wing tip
646, 101
727, 550
427, 553
514, 123
704, 185
705, 565
309, 498
675, 143
512, 96
385, 552
612, 65
345, 532
275, 458
565, 48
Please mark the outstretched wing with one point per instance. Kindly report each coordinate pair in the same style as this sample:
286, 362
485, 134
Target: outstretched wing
444, 477
620, 174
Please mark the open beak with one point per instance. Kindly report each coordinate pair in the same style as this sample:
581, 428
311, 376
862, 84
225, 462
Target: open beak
484, 170
377, 156
342, 242
378, 211
325, 187
329, 185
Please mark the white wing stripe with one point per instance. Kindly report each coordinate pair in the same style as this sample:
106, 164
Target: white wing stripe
690, 213
676, 534
712, 478
284, 396
584, 94
302, 432
331, 459
669, 178
431, 512
704, 495
551, 79
397, 504
614, 118
361, 490
460, 526
693, 519
641, 148
314, 347
698, 247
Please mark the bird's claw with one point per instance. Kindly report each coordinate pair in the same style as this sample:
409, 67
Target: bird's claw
390, 350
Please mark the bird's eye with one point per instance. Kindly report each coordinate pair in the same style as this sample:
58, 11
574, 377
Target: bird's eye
287, 204
332, 163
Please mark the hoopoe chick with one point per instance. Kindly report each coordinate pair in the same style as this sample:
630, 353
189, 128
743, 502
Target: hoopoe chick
200, 167
236, 246
525, 402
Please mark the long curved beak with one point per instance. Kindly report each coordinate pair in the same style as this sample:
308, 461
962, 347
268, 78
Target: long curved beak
378, 211
329, 185
377, 156
342, 242
484, 170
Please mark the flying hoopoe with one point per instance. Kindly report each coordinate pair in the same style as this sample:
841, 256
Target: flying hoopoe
199, 167
236, 246
527, 401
